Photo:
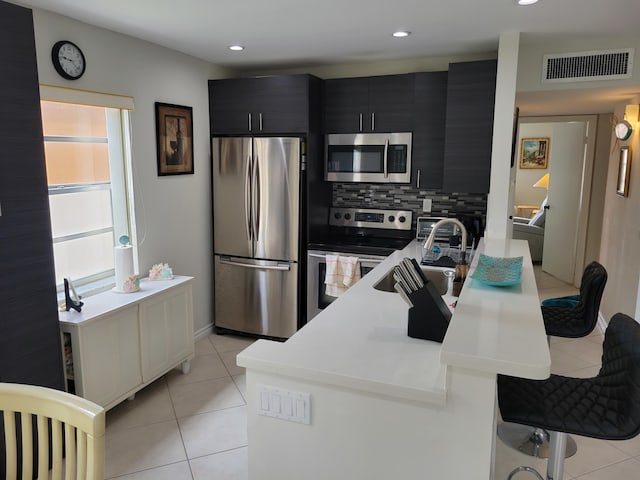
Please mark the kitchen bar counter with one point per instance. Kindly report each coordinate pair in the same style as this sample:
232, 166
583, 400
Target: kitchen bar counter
383, 404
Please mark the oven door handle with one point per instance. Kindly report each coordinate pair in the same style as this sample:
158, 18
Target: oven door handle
360, 259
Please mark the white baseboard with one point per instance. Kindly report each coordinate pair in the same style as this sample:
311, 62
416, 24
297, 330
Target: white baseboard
203, 332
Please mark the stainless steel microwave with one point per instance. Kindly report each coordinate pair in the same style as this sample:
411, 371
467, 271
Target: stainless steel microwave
368, 157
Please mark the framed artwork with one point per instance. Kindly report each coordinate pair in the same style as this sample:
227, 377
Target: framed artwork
624, 170
534, 153
174, 139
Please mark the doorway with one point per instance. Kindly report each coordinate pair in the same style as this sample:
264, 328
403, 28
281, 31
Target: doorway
569, 163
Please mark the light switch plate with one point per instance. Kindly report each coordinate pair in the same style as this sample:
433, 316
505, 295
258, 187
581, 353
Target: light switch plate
426, 205
285, 404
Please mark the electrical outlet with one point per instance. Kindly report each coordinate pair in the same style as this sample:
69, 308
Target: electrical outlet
285, 404
426, 205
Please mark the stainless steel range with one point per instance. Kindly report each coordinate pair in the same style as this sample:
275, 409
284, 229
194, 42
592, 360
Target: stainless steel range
369, 234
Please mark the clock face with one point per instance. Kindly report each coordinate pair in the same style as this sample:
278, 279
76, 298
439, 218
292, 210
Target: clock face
68, 60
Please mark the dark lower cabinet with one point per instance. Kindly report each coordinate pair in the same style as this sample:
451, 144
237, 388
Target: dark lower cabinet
429, 111
30, 350
469, 126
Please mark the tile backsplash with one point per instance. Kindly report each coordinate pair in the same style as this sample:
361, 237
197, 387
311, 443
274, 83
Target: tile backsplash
392, 196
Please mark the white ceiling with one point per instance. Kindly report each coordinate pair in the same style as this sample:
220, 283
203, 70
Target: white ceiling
299, 34
295, 33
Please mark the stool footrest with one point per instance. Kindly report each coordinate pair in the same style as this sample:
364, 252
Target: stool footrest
523, 468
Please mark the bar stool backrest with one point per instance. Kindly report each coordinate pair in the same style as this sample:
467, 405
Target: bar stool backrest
619, 377
594, 279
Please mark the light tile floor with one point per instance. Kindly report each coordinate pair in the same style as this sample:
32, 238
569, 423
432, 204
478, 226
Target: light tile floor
193, 427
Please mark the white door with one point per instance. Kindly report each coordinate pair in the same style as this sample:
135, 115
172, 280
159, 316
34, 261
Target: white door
566, 166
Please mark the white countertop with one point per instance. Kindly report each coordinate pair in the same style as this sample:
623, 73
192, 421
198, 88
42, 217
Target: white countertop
360, 341
109, 302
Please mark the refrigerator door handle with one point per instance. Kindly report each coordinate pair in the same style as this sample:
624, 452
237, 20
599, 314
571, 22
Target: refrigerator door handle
248, 199
256, 198
285, 267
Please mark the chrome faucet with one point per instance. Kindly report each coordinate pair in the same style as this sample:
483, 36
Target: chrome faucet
429, 242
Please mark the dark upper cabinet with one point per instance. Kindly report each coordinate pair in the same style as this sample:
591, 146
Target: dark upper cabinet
30, 349
369, 104
469, 126
429, 112
262, 105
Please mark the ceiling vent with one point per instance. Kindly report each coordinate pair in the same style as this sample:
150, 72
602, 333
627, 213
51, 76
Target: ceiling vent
588, 66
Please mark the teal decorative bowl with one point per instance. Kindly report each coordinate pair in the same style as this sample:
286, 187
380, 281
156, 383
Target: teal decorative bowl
498, 271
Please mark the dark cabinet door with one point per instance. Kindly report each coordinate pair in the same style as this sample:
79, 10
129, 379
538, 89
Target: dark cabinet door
282, 104
230, 103
30, 349
369, 104
346, 105
259, 105
429, 112
390, 103
470, 105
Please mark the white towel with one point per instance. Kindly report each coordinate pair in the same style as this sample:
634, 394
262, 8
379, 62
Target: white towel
342, 272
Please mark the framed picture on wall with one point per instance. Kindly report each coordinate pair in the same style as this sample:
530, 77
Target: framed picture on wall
534, 153
624, 170
174, 139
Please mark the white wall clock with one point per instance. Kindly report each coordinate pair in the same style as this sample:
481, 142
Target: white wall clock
68, 60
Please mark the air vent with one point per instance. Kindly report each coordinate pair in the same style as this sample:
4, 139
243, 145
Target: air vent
588, 66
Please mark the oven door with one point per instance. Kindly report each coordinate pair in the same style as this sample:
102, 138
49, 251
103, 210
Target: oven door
317, 298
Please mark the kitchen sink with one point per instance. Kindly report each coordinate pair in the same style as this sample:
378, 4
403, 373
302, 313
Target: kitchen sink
435, 276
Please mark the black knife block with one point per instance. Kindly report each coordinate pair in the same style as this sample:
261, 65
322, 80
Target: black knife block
429, 317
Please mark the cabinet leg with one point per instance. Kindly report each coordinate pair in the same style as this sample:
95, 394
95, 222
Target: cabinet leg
132, 397
186, 367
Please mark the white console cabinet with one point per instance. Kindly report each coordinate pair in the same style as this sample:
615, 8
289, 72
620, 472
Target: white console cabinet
122, 342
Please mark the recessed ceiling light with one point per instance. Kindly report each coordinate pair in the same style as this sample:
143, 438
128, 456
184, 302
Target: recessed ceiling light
236, 48
527, 2
401, 34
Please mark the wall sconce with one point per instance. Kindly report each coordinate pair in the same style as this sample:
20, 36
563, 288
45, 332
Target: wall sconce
624, 129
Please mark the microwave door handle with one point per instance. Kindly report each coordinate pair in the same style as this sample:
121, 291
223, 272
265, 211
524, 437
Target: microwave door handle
386, 152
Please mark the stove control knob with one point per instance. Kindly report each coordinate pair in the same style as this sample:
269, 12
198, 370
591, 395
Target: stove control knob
402, 219
392, 218
347, 216
337, 215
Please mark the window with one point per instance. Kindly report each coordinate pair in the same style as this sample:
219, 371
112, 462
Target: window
85, 152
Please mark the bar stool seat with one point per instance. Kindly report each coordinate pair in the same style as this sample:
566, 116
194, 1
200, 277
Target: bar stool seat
606, 406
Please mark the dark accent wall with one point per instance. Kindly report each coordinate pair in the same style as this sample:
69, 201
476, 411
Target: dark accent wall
405, 197
30, 350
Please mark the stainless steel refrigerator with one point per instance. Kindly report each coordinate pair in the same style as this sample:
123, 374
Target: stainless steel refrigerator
256, 205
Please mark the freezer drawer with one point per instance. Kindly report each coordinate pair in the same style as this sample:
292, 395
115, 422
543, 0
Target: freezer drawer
256, 296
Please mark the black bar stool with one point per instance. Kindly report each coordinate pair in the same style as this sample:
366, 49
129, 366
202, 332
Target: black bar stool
606, 406
571, 317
